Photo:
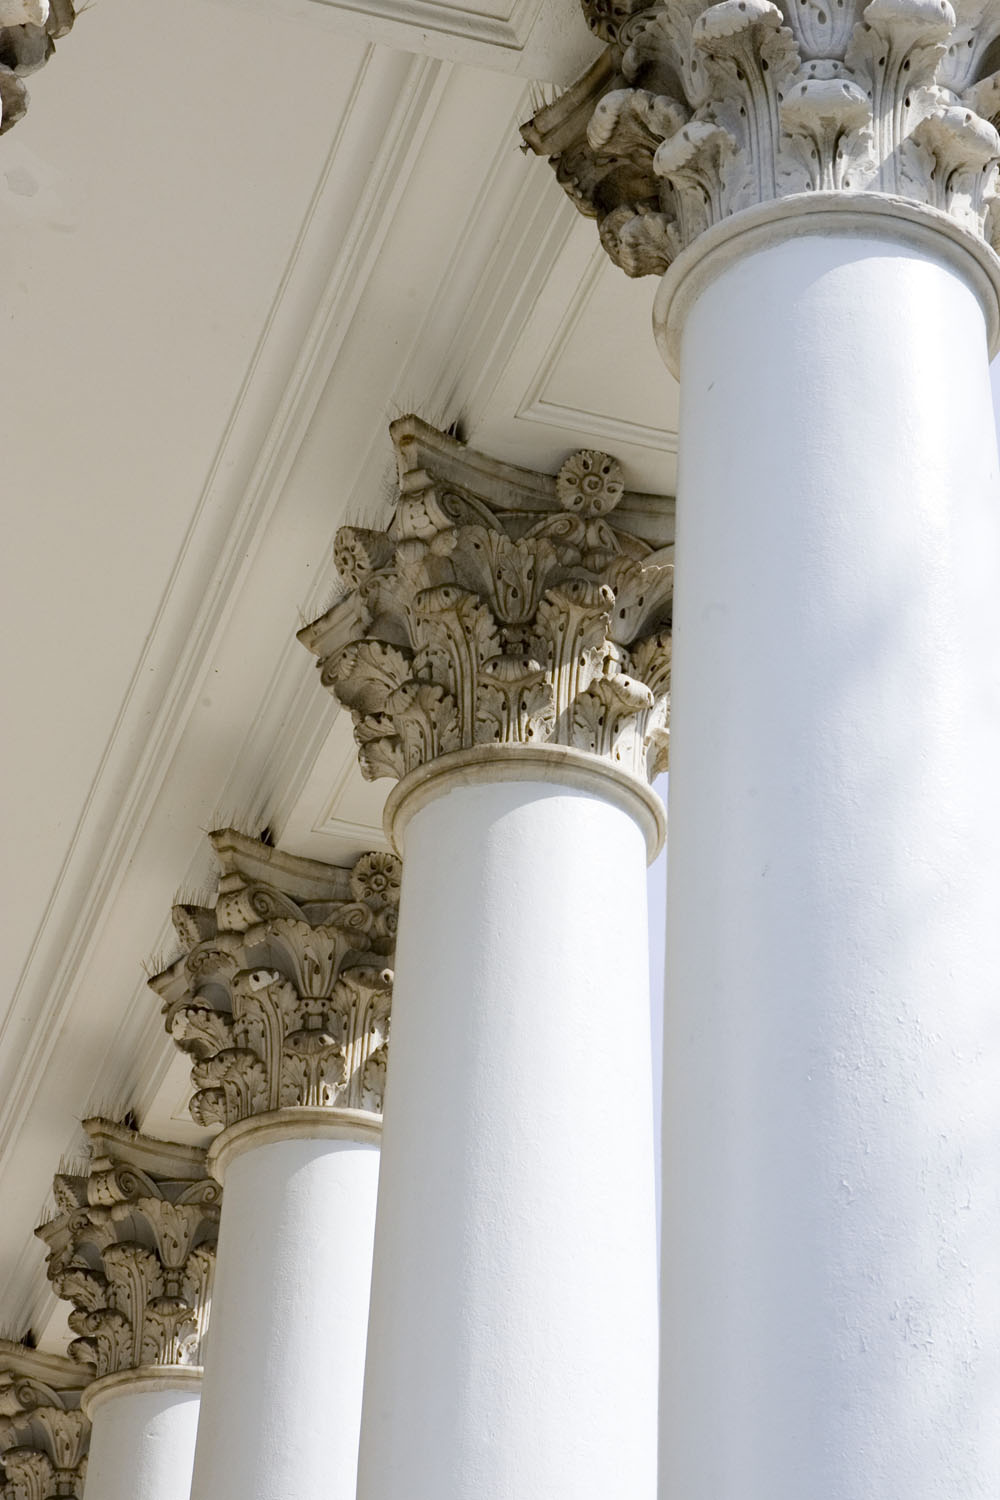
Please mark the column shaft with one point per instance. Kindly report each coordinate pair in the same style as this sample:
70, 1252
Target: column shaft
142, 1441
512, 1339
831, 1250
283, 1370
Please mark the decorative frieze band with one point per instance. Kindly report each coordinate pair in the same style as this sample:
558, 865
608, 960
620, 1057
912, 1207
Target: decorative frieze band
501, 607
44, 1435
28, 33
282, 994
696, 111
133, 1248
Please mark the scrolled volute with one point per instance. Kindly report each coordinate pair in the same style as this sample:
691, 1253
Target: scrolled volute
133, 1250
696, 111
44, 1435
283, 997
500, 608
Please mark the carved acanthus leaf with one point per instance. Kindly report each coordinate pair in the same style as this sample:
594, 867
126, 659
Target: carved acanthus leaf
505, 613
699, 110
44, 1436
134, 1254
261, 1006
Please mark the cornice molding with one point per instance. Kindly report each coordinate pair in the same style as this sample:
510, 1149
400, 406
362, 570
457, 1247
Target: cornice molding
133, 1248
502, 607
697, 112
282, 995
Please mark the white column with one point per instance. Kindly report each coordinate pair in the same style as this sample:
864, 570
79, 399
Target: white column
133, 1249
504, 648
512, 1348
143, 1435
282, 998
284, 1364
831, 1249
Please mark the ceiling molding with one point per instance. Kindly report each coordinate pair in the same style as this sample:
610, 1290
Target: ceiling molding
593, 425
506, 27
139, 754
547, 40
598, 427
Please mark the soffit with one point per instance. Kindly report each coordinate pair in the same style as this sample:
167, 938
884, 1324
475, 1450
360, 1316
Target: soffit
236, 244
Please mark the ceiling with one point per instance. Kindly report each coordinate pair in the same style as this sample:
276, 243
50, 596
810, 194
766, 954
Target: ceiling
238, 237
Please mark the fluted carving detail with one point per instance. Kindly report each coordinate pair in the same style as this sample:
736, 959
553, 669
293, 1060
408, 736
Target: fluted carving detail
28, 33
696, 111
500, 607
44, 1436
282, 995
133, 1249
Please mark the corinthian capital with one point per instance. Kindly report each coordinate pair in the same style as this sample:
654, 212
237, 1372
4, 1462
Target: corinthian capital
133, 1248
282, 993
28, 33
696, 111
44, 1435
502, 608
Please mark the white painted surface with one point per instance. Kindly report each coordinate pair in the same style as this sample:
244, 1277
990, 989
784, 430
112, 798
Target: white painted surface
831, 1138
142, 1444
512, 1347
283, 1369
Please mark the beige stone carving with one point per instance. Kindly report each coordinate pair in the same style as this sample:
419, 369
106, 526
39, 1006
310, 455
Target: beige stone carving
283, 993
500, 608
28, 33
696, 111
133, 1248
44, 1435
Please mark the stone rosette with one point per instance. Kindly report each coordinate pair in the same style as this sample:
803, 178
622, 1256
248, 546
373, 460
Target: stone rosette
132, 1247
501, 608
282, 994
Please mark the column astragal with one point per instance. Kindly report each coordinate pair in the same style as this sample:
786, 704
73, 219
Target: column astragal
132, 1247
504, 649
281, 997
816, 185
44, 1433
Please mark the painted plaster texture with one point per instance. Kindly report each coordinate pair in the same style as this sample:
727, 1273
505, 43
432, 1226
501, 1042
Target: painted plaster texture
142, 1440
831, 1261
283, 1371
512, 1347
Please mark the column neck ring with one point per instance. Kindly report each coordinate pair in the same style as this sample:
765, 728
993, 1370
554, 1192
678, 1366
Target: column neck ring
297, 1123
543, 762
869, 215
143, 1378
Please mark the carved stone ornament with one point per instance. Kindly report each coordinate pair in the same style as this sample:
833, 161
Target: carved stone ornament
133, 1248
501, 607
28, 33
696, 111
283, 993
44, 1435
